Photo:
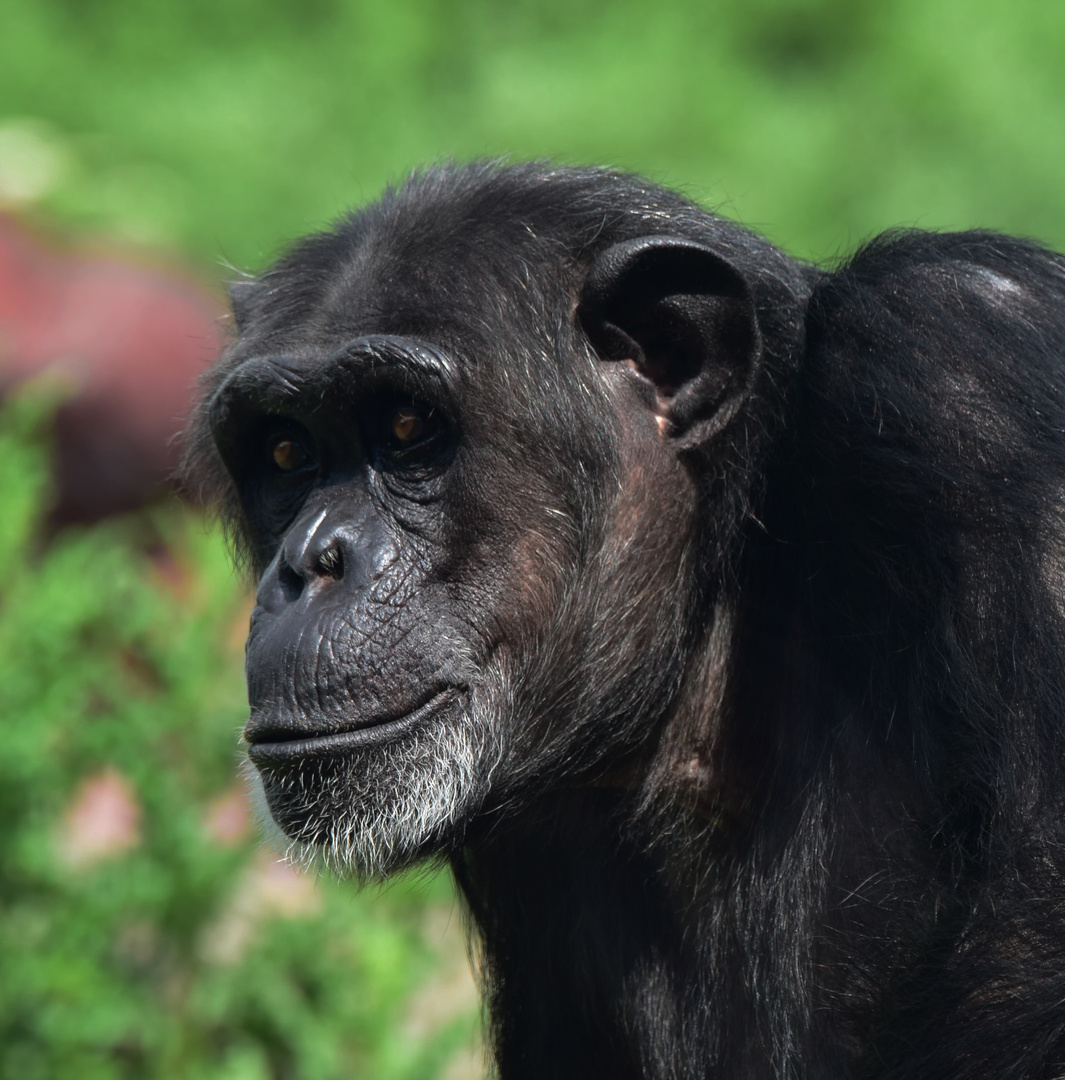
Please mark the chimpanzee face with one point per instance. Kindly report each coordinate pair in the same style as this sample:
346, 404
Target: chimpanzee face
466, 498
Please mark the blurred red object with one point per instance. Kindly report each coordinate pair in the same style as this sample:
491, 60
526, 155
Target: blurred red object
129, 340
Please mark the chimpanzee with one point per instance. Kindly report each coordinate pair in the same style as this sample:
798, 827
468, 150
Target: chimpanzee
125, 343
704, 609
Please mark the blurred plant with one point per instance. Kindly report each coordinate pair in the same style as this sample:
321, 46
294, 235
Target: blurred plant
231, 128
142, 932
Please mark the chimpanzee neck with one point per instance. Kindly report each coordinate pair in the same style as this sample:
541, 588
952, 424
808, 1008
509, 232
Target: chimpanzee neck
658, 946
594, 951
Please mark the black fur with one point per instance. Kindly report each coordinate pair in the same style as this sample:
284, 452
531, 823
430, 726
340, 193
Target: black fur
745, 583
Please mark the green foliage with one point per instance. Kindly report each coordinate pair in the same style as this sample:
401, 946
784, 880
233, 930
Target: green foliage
229, 128
138, 937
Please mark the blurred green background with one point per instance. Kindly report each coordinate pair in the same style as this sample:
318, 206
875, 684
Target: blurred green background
142, 932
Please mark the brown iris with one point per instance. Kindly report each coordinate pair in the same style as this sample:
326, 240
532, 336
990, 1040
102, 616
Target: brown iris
288, 455
407, 426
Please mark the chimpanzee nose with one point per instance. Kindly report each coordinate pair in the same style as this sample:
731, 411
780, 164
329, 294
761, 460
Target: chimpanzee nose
319, 551
314, 550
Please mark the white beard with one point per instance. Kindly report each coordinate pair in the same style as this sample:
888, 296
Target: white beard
379, 809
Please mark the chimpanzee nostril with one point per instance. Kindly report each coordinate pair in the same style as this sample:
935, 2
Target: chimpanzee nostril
331, 562
316, 553
291, 582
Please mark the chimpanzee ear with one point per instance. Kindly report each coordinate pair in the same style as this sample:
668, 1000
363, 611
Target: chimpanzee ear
683, 316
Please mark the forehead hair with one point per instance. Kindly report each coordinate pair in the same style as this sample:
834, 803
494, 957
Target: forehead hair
485, 260
475, 246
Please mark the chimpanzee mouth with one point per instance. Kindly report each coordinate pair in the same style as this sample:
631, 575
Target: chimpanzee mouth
273, 745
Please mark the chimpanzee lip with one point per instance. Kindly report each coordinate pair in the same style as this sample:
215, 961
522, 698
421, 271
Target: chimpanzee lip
276, 746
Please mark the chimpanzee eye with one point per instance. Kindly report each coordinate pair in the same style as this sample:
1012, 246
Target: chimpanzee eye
407, 425
288, 452
411, 425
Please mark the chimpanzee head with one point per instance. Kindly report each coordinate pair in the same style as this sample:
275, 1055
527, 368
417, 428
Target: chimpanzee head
488, 446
